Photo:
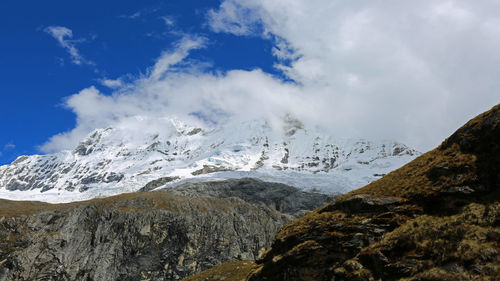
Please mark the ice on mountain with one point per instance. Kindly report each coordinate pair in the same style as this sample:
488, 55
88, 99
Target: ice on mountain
114, 160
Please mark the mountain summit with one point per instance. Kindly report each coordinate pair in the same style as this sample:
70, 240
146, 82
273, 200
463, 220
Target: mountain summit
116, 160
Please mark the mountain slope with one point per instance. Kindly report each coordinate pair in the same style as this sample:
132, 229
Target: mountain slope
436, 218
117, 160
146, 236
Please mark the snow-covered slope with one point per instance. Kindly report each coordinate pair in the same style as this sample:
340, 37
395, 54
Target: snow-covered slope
113, 160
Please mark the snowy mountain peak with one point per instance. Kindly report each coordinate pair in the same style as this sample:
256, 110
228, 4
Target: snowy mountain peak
291, 125
116, 160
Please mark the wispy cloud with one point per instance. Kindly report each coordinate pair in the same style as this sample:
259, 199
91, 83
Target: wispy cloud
168, 20
140, 13
131, 16
170, 31
7, 149
168, 59
9, 146
64, 36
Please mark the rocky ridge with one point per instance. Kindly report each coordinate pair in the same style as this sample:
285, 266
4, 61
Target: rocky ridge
148, 235
436, 218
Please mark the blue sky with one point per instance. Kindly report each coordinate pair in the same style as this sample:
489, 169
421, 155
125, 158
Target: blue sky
118, 37
407, 71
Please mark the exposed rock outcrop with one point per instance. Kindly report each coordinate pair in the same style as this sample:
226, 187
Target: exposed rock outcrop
278, 196
140, 236
157, 183
437, 218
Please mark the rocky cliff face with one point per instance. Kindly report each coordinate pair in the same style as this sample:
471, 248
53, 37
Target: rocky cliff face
144, 236
437, 218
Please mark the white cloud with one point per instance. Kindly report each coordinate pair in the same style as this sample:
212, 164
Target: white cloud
112, 83
235, 17
410, 71
64, 36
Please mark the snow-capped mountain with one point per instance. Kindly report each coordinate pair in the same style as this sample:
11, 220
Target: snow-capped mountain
112, 160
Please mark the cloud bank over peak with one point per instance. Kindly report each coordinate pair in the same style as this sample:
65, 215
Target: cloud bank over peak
177, 88
419, 69
412, 72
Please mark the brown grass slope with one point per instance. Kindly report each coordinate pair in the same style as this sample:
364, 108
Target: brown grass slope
468, 160
437, 218
232, 271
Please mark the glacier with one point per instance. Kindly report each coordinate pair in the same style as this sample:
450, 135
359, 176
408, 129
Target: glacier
113, 160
